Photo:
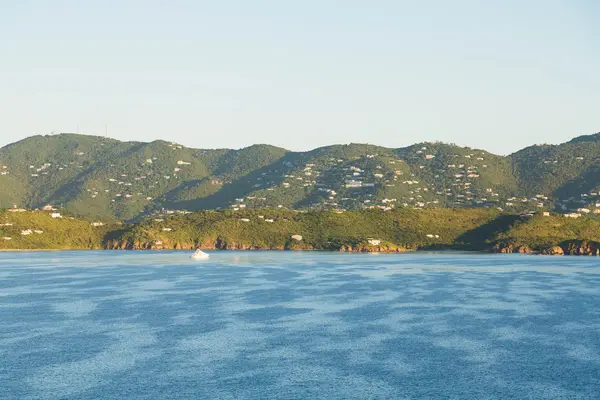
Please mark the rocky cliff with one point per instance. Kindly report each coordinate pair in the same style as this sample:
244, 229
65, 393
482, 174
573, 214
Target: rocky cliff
572, 247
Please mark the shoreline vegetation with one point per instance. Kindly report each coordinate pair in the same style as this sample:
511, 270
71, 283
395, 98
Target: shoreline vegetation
365, 231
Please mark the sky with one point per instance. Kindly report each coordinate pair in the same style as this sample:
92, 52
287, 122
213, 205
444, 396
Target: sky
498, 75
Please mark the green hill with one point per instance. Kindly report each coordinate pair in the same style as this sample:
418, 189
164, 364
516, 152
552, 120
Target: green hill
96, 177
398, 230
370, 230
562, 171
553, 234
38, 230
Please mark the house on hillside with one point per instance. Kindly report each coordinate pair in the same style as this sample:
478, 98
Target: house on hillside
353, 184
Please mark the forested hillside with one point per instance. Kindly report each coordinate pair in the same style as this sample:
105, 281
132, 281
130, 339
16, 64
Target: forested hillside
49, 230
397, 230
96, 177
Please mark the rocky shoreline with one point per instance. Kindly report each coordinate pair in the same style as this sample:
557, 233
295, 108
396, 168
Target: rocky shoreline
577, 247
220, 245
571, 250
574, 247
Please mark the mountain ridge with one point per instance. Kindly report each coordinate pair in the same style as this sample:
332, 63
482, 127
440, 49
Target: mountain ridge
98, 177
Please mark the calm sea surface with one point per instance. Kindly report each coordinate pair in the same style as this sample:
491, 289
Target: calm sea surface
290, 325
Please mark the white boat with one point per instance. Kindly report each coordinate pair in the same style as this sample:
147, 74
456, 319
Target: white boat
200, 255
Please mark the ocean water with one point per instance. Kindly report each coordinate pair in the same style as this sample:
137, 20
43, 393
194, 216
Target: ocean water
298, 325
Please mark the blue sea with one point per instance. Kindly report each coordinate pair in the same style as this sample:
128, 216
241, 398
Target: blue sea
298, 325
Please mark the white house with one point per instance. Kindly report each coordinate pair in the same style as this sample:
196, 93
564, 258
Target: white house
353, 184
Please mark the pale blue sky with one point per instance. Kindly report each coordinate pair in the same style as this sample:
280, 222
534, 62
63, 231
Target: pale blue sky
498, 75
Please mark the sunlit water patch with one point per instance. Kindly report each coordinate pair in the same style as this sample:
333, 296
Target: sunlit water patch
289, 325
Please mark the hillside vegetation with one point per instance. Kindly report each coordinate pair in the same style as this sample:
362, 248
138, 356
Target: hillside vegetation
553, 234
322, 230
38, 230
96, 177
370, 230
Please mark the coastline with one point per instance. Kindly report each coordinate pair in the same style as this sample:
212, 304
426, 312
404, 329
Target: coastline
440, 250
393, 232
436, 250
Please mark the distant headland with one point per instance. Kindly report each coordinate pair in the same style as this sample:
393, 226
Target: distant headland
371, 230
